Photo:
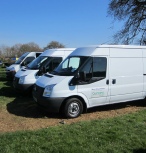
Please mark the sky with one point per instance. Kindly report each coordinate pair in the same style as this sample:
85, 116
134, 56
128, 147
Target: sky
74, 23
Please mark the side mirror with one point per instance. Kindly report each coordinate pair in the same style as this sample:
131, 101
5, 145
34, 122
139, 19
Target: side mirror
41, 71
79, 76
82, 75
44, 69
23, 63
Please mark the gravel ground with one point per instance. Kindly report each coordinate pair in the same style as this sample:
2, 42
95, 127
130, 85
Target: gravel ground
32, 119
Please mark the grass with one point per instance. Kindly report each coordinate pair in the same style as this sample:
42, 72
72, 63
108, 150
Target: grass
7, 92
2, 74
115, 135
123, 134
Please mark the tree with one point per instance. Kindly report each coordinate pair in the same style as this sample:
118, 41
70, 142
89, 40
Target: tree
54, 44
133, 12
19, 49
29, 47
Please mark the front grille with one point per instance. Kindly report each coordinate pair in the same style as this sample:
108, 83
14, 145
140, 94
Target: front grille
39, 90
16, 80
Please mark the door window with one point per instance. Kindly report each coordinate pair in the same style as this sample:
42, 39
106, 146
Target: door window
95, 69
53, 64
28, 60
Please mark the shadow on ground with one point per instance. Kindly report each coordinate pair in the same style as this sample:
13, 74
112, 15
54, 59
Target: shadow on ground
139, 151
26, 107
8, 90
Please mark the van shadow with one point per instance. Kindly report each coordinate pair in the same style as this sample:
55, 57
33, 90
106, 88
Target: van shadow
139, 151
8, 90
27, 107
3, 79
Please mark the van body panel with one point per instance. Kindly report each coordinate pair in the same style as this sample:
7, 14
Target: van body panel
126, 68
144, 70
61, 84
46, 80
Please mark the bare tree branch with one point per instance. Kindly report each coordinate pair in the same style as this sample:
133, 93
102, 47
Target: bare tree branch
133, 13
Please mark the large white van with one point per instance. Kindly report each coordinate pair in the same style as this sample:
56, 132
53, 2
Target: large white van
25, 59
46, 62
93, 76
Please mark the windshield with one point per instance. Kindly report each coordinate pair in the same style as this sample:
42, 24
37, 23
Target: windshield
70, 65
36, 64
21, 58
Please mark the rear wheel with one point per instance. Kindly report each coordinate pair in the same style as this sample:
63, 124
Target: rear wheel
73, 108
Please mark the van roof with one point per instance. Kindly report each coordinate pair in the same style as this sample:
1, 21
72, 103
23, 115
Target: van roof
89, 50
61, 49
114, 46
57, 51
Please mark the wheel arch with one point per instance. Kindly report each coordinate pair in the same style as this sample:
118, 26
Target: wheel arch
75, 96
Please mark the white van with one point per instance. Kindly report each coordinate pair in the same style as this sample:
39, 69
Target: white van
93, 76
46, 62
25, 59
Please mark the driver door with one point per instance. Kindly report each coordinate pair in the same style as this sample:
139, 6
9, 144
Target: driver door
95, 87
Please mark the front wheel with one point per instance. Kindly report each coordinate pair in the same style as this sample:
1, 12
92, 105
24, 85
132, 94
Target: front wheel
73, 108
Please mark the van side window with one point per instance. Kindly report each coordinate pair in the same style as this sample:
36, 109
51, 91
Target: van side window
99, 67
95, 69
53, 64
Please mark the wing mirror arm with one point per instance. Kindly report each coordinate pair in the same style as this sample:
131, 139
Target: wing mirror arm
80, 76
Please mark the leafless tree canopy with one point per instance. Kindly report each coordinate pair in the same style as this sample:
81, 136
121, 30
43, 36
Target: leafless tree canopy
133, 12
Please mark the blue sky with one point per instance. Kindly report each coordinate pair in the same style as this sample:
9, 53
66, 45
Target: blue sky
74, 23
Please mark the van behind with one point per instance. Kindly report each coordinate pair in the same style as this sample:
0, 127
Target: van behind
46, 62
25, 59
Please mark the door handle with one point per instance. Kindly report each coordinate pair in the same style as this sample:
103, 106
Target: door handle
114, 81
107, 82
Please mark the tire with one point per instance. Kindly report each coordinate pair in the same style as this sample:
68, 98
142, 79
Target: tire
73, 108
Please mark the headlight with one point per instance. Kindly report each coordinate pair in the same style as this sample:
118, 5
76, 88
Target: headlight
48, 90
12, 69
21, 80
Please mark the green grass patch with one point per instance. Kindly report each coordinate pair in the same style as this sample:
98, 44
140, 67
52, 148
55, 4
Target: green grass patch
115, 135
2, 74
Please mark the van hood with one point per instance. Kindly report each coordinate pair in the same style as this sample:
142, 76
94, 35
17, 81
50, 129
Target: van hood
49, 79
15, 66
23, 72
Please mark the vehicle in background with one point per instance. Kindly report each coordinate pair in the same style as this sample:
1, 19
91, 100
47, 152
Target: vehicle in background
25, 59
93, 76
46, 62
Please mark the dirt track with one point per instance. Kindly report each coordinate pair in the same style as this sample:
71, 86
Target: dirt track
15, 117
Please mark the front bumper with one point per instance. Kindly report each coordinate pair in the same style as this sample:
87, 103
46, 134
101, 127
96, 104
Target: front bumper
21, 87
46, 103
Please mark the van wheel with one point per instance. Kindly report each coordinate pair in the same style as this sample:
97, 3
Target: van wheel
73, 108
